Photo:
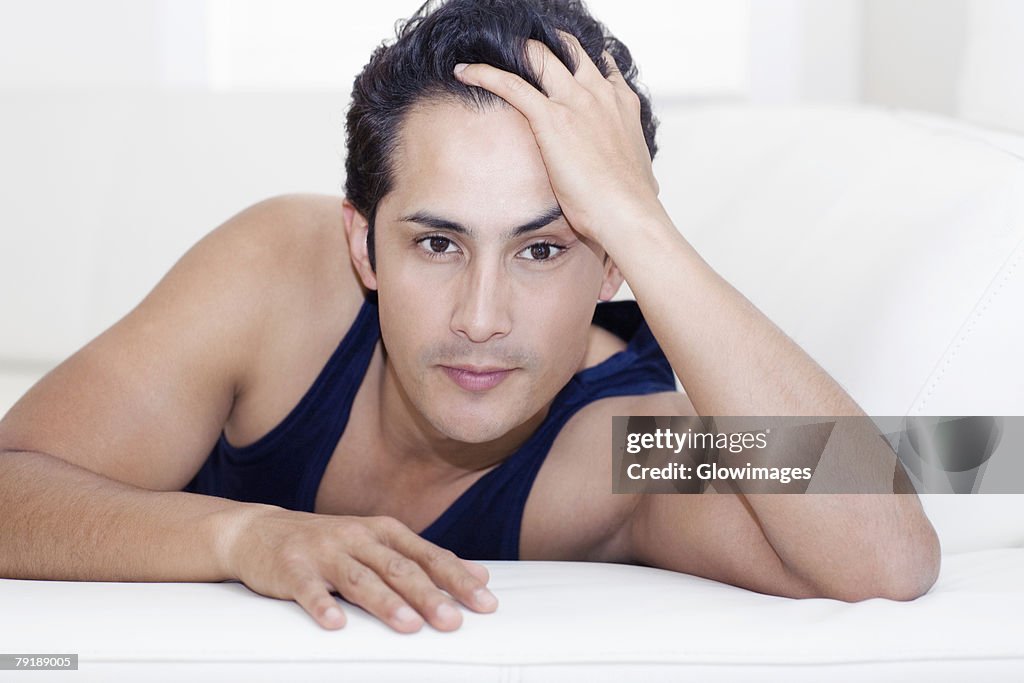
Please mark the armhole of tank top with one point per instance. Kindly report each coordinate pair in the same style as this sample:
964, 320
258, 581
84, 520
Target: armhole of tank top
282, 428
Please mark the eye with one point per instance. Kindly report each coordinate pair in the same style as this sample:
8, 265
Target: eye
542, 251
436, 245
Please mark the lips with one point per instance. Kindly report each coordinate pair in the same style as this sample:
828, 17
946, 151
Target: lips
477, 379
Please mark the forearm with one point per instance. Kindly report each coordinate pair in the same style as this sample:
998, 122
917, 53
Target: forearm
59, 521
732, 360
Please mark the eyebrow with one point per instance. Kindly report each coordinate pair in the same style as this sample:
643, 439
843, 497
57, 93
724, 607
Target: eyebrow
439, 223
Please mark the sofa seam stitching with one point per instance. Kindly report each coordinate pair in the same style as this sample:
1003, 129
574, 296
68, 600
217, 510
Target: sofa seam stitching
974, 318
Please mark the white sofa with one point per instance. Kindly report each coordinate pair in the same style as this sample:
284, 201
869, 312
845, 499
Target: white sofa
887, 244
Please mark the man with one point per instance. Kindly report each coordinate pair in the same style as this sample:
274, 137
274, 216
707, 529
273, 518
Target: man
333, 396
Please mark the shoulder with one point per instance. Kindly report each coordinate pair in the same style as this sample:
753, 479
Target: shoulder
296, 245
288, 258
591, 426
290, 232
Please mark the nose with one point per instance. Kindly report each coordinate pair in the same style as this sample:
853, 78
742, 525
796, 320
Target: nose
482, 303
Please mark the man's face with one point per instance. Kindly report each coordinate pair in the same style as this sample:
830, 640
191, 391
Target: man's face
486, 294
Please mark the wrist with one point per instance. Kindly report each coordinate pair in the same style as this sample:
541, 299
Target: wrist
641, 235
230, 527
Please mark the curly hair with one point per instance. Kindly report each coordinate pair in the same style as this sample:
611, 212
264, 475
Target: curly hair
417, 67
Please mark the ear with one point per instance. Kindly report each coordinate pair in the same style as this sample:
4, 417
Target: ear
357, 229
612, 281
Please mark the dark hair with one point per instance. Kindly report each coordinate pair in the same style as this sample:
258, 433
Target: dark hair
418, 65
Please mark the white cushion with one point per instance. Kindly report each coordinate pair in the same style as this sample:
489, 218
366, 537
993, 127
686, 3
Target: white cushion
556, 621
886, 248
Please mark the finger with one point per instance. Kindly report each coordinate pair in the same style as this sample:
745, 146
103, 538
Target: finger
555, 77
520, 94
614, 75
313, 595
445, 569
361, 585
478, 570
411, 582
623, 91
587, 73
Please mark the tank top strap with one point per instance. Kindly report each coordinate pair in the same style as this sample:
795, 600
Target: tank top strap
285, 465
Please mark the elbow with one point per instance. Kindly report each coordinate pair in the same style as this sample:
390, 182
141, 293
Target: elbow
903, 574
918, 570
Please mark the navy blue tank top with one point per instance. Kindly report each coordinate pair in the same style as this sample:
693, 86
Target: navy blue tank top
286, 465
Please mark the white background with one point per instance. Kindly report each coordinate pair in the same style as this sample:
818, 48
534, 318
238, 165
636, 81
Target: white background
130, 128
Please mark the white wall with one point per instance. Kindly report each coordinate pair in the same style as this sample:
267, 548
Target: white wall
686, 48
991, 84
62, 43
805, 51
913, 54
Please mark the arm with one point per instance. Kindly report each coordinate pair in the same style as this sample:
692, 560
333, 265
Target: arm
589, 136
59, 521
849, 546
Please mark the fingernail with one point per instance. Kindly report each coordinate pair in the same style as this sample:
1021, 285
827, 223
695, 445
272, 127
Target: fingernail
446, 612
332, 615
406, 615
459, 68
484, 598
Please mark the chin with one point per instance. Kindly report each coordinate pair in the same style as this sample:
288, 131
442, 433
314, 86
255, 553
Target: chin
471, 419
470, 428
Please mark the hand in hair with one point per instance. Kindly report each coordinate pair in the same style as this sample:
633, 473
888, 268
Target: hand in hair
589, 133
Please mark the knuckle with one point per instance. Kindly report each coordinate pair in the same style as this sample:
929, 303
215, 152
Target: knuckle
438, 557
563, 117
294, 564
633, 99
513, 84
586, 100
349, 528
610, 103
467, 584
388, 524
356, 575
398, 567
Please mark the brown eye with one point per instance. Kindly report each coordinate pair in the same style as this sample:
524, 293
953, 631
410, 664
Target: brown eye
439, 245
541, 251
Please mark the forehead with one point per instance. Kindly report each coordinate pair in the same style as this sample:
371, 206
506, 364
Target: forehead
451, 154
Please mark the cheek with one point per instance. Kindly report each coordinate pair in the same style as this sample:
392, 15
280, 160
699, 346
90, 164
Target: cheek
407, 288
560, 323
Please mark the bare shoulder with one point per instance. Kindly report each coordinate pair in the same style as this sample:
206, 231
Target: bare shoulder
184, 354
294, 235
571, 513
311, 296
291, 252
592, 425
